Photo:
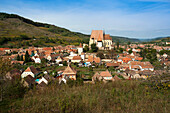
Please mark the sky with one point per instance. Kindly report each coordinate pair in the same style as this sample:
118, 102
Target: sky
130, 18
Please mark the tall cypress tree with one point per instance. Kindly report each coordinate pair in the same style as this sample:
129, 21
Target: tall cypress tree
18, 58
21, 58
27, 57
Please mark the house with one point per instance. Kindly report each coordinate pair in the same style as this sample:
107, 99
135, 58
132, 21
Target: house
92, 59
102, 40
106, 75
69, 72
97, 77
140, 66
59, 59
80, 49
29, 81
123, 67
112, 65
15, 73
126, 60
165, 55
43, 79
76, 59
32, 71
36, 59
103, 75
83, 56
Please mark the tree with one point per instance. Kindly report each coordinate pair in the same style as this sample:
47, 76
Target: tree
21, 58
27, 57
121, 50
86, 48
117, 45
130, 51
53, 49
65, 63
18, 57
101, 55
129, 43
94, 48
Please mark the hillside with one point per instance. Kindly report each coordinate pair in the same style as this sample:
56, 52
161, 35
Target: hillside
124, 39
13, 27
17, 31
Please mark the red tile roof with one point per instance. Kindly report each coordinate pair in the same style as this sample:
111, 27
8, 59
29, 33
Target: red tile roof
76, 58
96, 33
69, 70
107, 37
105, 74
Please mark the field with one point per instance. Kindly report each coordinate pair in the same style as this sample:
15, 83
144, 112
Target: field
120, 96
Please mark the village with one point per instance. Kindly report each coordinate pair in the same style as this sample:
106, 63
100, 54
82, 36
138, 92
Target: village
100, 60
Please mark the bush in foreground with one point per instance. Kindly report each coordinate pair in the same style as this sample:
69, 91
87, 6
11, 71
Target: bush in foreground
121, 96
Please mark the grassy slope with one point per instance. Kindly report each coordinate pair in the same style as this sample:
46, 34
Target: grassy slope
12, 25
121, 96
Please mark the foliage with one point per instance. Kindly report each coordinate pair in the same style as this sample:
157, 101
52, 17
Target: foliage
164, 51
5, 66
150, 54
101, 55
94, 48
86, 48
27, 57
18, 57
130, 51
117, 43
118, 96
65, 63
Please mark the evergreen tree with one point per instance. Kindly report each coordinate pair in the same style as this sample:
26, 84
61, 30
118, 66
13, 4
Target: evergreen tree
18, 57
27, 57
21, 58
118, 45
94, 48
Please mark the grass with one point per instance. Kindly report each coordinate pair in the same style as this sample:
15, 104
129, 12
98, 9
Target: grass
120, 96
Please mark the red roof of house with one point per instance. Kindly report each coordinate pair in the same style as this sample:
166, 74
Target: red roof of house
76, 58
2, 49
112, 64
126, 59
105, 74
31, 69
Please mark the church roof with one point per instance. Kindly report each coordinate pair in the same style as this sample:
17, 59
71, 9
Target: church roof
107, 37
99, 39
96, 33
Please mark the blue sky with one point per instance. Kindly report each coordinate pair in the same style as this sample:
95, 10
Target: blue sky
130, 18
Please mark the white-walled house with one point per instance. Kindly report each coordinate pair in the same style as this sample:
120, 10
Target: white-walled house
80, 49
76, 59
36, 59
39, 81
59, 59
30, 71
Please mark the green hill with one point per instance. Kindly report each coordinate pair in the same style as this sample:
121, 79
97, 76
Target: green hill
14, 27
17, 31
124, 39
